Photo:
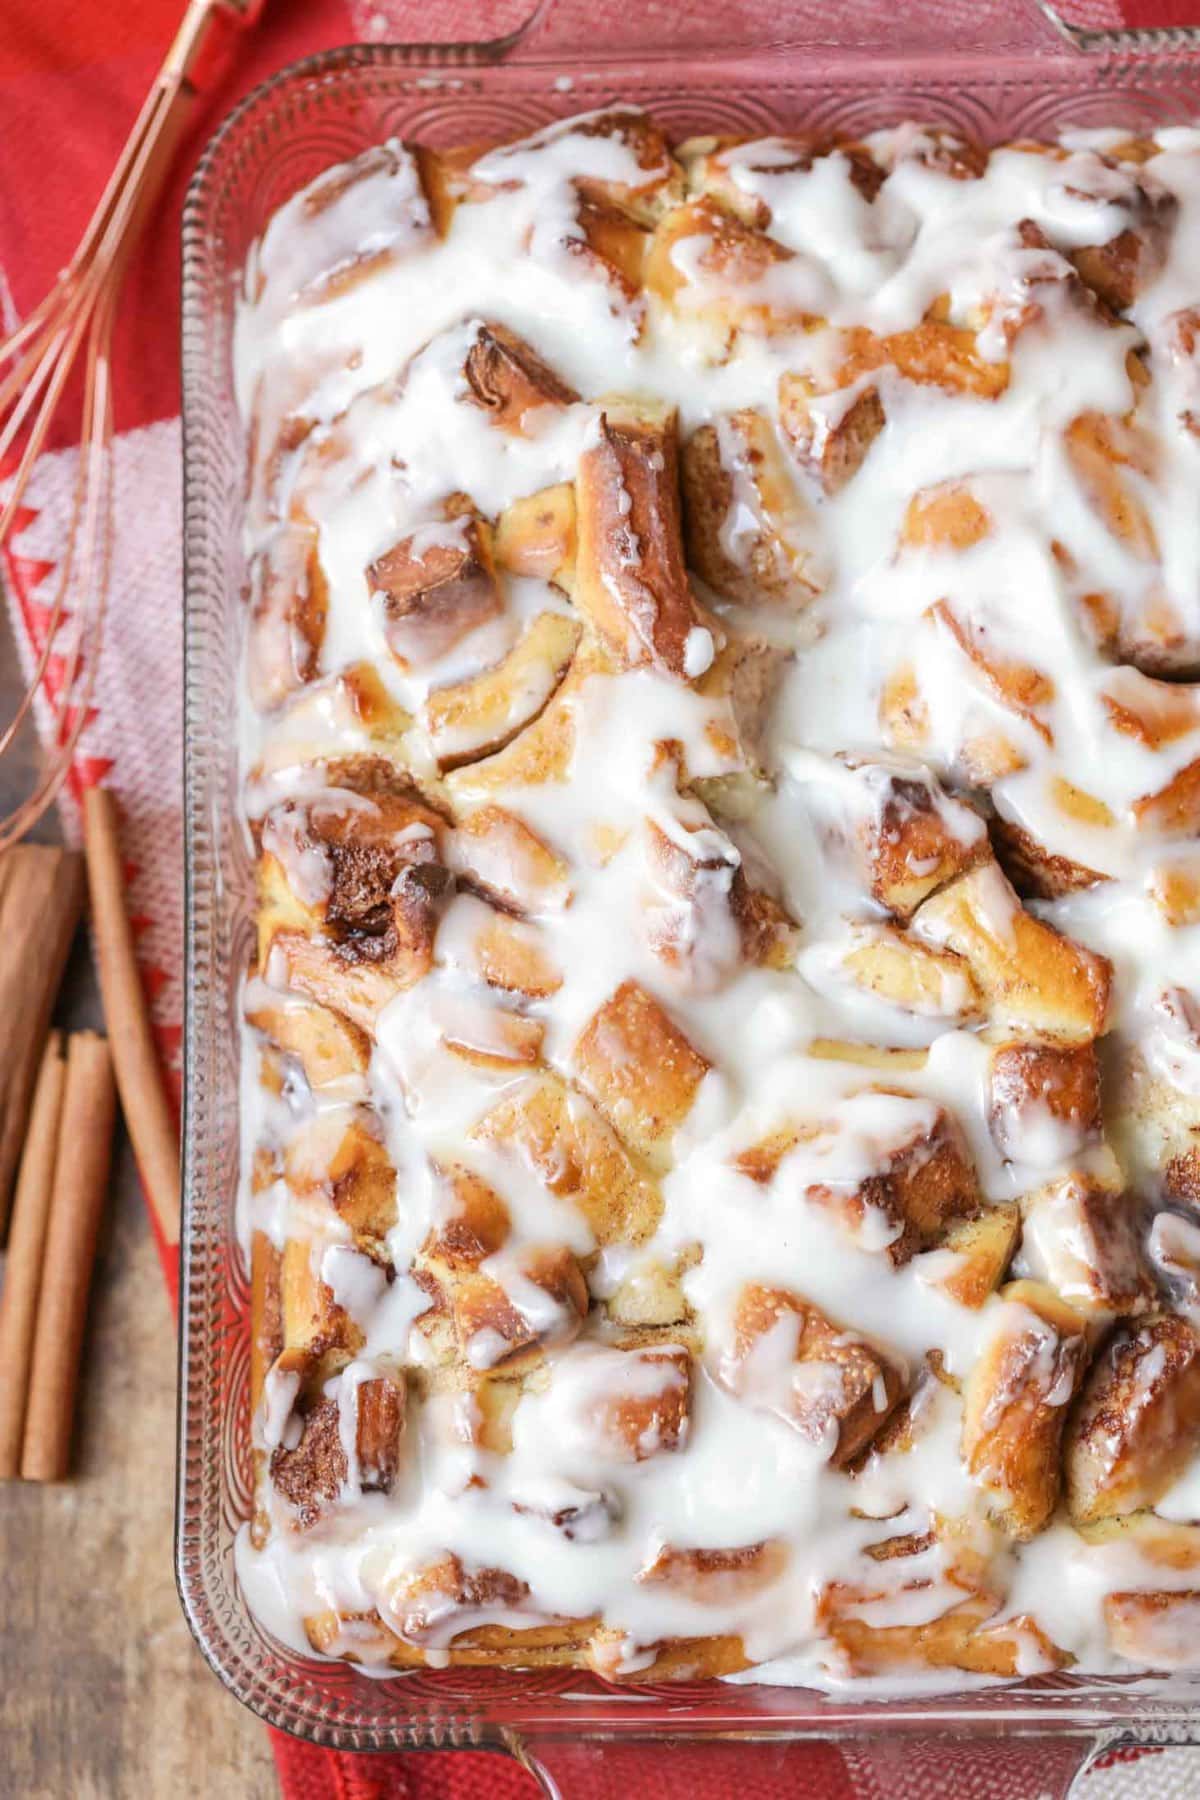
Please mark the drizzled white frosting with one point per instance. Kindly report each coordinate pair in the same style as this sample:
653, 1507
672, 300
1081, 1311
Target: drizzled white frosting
372, 357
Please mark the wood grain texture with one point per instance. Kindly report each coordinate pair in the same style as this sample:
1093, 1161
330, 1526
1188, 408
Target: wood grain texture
103, 1694
81, 1179
148, 1114
21, 1288
41, 896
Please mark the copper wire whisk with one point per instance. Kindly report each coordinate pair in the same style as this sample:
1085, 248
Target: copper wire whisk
74, 325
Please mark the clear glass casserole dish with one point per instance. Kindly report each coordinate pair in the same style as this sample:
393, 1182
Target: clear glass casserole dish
1012, 71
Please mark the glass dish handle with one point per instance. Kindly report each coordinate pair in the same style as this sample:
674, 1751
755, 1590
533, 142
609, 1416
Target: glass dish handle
557, 28
970, 1763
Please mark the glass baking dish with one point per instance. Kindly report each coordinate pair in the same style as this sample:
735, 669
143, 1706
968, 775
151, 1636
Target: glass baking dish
1011, 71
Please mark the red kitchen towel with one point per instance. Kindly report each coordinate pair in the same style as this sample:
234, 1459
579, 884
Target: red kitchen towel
72, 75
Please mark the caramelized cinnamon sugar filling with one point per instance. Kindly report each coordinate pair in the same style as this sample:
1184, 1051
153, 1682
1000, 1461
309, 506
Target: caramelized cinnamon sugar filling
721, 744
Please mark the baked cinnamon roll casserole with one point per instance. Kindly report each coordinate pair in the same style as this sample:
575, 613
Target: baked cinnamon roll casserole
722, 751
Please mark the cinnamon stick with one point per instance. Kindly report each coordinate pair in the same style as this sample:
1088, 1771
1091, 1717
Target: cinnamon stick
23, 1267
80, 1181
41, 897
144, 1101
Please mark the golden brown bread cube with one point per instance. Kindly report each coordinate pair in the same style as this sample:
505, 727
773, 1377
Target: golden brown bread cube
827, 1383
653, 1413
1033, 978
711, 163
933, 147
611, 245
436, 585
266, 1313
311, 965
650, 1293
934, 984
667, 1659
1153, 713
476, 717
319, 1337
438, 1602
904, 713
960, 1638
829, 435
471, 1220
507, 378
346, 248
289, 602
909, 1422
544, 752
312, 1474
585, 1515
931, 354
475, 172
923, 1175
1118, 270
641, 1069
716, 1577
747, 530
916, 839
1175, 355
379, 1427
1138, 1421
1081, 1233
1155, 1106
1036, 871
1163, 1543
1021, 687
628, 1400
1159, 1629
1039, 284
449, 181
1100, 448
468, 1408
364, 872
494, 851
630, 580
706, 167
659, 183
1156, 632
981, 1248
332, 1052
491, 945
309, 1475
353, 1637
700, 915
725, 284
741, 683
904, 835
1174, 809
945, 517
536, 536
985, 757
362, 1637
495, 1330
352, 706
1173, 1246
1016, 1402
495, 1308
557, 1132
1043, 1101
339, 1156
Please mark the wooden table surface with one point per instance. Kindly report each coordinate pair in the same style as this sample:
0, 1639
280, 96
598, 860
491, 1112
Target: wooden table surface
103, 1694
